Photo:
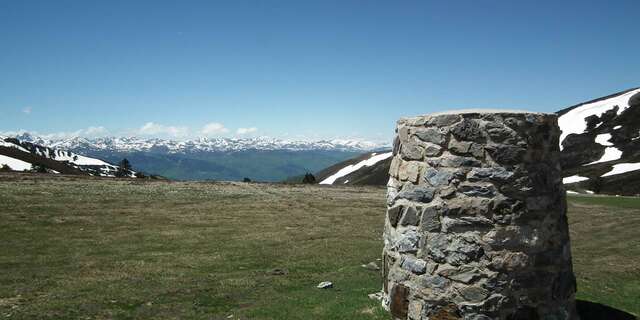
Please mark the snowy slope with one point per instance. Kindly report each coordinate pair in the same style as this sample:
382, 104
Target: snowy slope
573, 120
14, 164
375, 158
24, 154
600, 145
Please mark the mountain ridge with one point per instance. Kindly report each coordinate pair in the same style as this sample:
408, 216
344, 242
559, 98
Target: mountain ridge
202, 144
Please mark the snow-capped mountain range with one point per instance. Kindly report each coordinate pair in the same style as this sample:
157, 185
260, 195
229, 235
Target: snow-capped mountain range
262, 158
600, 149
136, 144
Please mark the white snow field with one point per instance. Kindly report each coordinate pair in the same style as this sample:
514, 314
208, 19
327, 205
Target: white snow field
15, 164
573, 121
622, 168
375, 158
78, 159
603, 139
573, 179
610, 154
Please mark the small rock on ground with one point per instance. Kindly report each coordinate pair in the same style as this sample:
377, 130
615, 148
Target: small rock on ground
371, 266
376, 296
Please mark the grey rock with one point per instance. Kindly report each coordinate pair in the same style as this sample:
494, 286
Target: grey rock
394, 168
410, 216
431, 214
409, 171
432, 150
407, 241
459, 147
489, 174
463, 249
506, 154
415, 310
437, 246
431, 267
396, 146
512, 237
443, 120
465, 223
414, 265
437, 178
463, 274
434, 282
371, 266
473, 190
476, 316
499, 132
474, 293
411, 151
467, 207
477, 150
509, 260
378, 296
468, 130
447, 192
393, 214
398, 275
432, 135
417, 193
403, 133
458, 161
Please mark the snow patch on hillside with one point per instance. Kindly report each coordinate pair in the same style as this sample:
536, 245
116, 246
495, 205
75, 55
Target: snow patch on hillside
14, 164
78, 159
603, 139
574, 179
375, 158
610, 154
573, 121
622, 168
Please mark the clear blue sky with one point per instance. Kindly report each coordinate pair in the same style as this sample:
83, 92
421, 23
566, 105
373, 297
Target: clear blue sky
315, 69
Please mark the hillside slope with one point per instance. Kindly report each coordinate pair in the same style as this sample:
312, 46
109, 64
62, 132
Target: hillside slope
600, 148
21, 156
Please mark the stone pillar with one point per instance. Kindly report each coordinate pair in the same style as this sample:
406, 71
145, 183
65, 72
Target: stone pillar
476, 225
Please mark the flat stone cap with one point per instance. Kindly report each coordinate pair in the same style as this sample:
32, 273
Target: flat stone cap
450, 117
487, 111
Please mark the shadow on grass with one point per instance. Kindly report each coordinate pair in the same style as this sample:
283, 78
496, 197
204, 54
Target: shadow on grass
595, 311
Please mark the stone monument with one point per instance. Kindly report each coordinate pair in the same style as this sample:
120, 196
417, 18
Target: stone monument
476, 225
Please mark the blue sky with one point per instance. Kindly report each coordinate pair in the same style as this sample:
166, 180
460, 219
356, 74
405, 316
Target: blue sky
300, 69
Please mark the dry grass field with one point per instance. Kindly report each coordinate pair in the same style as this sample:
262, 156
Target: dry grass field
75, 248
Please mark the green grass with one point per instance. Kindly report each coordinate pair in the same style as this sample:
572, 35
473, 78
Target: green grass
606, 249
619, 202
104, 249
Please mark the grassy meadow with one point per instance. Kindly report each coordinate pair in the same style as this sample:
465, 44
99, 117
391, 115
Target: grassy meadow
80, 248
